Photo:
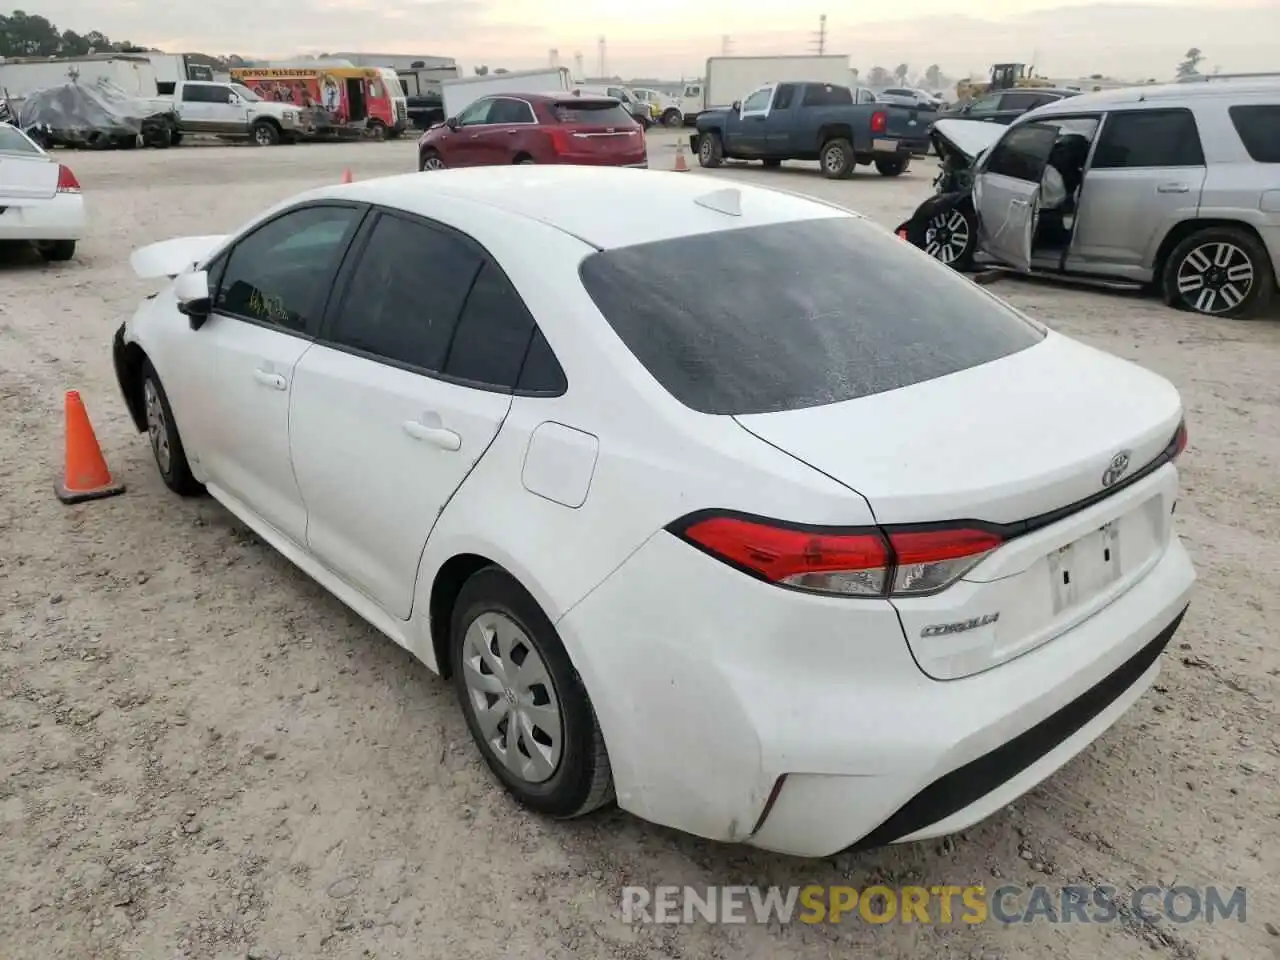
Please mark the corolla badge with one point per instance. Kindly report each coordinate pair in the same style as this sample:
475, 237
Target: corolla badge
959, 626
1116, 469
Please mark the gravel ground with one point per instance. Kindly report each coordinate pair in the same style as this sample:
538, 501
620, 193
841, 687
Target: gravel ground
206, 755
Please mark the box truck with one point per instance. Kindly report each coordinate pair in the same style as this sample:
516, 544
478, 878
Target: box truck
461, 93
731, 78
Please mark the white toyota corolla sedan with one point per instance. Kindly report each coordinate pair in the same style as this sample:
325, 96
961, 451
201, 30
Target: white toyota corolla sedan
40, 198
717, 499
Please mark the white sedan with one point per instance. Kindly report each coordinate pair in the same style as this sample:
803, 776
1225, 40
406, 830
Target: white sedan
40, 198
720, 499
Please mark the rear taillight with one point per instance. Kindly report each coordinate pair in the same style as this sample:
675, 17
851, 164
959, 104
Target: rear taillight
879, 122
1179, 441
559, 139
861, 562
67, 182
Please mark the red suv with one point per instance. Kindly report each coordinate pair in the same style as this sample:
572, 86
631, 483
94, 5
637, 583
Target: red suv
535, 128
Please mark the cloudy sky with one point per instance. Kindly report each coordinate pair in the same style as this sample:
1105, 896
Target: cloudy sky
673, 38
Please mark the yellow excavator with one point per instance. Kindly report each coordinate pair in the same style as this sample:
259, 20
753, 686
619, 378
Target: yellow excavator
1004, 76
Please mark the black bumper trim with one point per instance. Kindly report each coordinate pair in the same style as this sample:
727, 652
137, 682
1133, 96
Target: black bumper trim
965, 785
124, 377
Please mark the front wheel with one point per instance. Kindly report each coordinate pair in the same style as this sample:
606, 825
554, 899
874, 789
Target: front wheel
377, 130
524, 703
166, 442
672, 118
893, 166
837, 159
57, 251
1219, 271
430, 161
710, 150
266, 134
950, 236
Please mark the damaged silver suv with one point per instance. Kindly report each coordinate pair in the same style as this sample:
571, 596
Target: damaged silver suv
1175, 187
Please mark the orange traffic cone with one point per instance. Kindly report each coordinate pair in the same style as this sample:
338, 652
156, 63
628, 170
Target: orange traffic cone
86, 474
346, 177
682, 165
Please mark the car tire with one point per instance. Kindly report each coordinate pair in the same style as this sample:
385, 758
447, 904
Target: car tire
836, 159
377, 130
672, 119
1243, 286
175, 137
959, 240
166, 442
57, 251
265, 133
571, 777
772, 164
429, 160
710, 150
893, 166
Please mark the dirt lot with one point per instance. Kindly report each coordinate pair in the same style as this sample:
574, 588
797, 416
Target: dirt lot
205, 755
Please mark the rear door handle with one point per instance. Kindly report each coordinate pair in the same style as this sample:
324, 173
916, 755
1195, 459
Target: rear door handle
475, 136
1173, 188
442, 438
269, 379
1017, 203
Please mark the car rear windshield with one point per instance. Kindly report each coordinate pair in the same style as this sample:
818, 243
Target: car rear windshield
605, 113
794, 315
11, 141
1259, 129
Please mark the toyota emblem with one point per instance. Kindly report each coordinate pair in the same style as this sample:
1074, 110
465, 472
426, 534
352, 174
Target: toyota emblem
1116, 469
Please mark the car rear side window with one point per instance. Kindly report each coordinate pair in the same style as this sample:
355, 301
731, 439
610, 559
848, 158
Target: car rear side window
403, 299
1149, 138
507, 110
603, 113
792, 315
1259, 129
493, 333
826, 95
783, 96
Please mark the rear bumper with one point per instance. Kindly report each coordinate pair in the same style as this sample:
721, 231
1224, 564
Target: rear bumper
711, 687
61, 217
892, 146
125, 375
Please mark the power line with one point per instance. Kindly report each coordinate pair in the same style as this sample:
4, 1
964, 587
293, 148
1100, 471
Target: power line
820, 36
600, 46
726, 45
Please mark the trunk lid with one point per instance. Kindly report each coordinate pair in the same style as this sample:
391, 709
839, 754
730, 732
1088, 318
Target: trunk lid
1037, 436
906, 123
596, 129
26, 176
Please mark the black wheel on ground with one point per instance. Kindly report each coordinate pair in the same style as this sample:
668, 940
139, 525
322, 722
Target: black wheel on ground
710, 150
772, 164
893, 166
265, 133
166, 442
950, 237
175, 136
836, 158
524, 703
429, 160
57, 251
395, 133
671, 117
377, 130
1220, 272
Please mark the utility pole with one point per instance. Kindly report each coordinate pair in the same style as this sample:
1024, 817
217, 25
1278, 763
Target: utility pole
577, 66
726, 45
600, 45
553, 57
820, 37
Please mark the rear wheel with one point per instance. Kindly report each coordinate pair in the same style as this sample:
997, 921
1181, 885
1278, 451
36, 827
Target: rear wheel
710, 150
57, 251
837, 159
1219, 271
893, 166
524, 703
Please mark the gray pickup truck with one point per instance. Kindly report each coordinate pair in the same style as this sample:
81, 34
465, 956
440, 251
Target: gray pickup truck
813, 121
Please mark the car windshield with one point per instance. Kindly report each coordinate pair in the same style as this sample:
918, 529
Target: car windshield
603, 112
793, 315
244, 93
11, 141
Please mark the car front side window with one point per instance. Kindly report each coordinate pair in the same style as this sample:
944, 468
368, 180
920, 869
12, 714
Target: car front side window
280, 274
984, 106
758, 102
475, 114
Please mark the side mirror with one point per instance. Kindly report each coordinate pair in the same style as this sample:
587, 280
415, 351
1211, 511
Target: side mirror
452, 123
191, 290
737, 105
233, 100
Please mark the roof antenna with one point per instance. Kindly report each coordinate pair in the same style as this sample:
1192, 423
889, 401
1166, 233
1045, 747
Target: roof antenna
728, 201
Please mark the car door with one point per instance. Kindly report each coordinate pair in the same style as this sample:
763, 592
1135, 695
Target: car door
394, 406
1146, 175
1006, 192
499, 137
226, 112
194, 108
465, 146
746, 138
779, 125
268, 300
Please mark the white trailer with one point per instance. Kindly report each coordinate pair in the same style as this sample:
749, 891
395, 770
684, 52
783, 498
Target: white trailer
731, 78
172, 68
460, 93
132, 73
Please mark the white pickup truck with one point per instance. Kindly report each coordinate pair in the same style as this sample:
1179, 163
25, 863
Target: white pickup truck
233, 110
